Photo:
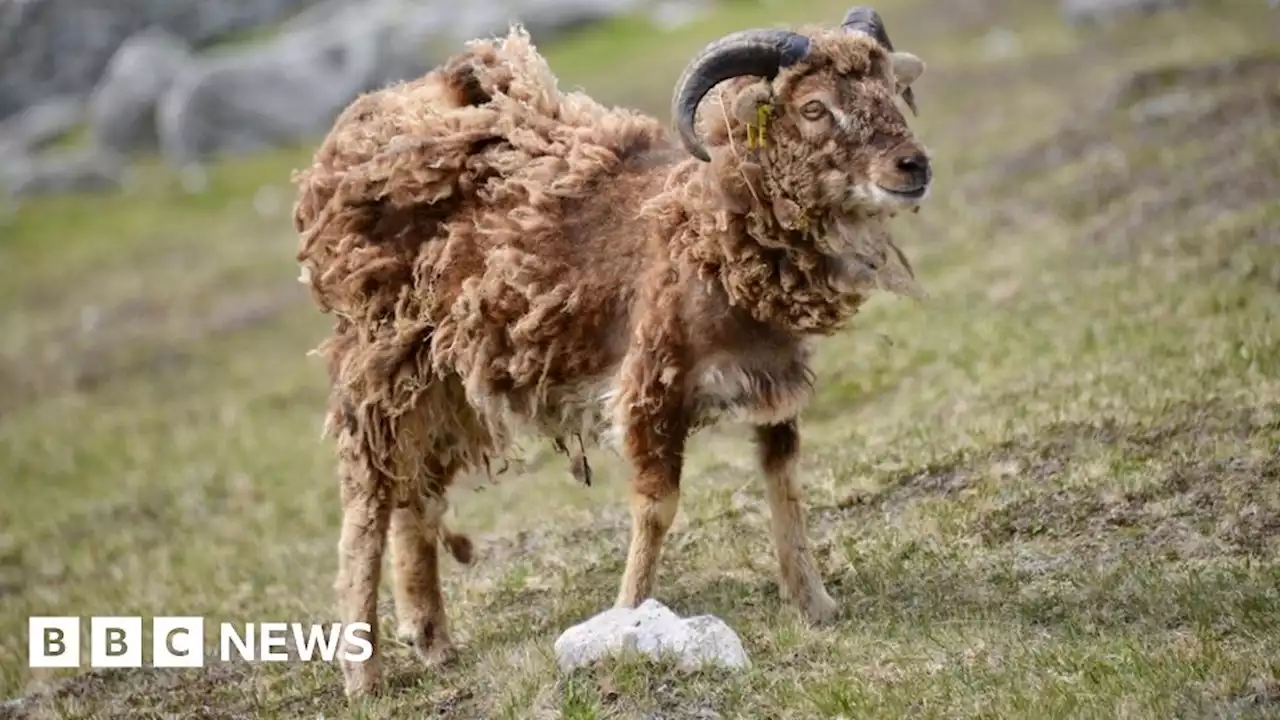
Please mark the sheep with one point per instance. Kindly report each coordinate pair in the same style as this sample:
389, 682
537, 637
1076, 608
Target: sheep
501, 257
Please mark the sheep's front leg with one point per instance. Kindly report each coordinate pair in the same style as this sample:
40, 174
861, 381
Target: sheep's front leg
420, 612
366, 510
655, 438
655, 496
800, 580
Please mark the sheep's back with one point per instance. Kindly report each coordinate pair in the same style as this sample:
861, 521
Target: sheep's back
478, 222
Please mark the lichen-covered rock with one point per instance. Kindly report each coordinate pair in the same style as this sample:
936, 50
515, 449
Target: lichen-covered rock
654, 631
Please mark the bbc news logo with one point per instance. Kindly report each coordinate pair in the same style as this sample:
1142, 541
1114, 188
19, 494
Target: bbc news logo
178, 642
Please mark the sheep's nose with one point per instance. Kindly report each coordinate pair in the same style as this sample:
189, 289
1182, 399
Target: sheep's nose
916, 166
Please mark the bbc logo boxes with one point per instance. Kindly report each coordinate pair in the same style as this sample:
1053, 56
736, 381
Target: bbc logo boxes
177, 642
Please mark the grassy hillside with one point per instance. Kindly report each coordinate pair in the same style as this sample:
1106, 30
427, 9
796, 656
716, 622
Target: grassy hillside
1051, 490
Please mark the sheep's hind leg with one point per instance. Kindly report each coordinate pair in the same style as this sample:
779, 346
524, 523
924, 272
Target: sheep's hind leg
416, 527
800, 580
366, 510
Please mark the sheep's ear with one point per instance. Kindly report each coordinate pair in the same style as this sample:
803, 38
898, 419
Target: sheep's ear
907, 68
746, 104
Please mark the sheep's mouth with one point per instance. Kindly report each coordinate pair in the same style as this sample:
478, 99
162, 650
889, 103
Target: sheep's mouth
908, 193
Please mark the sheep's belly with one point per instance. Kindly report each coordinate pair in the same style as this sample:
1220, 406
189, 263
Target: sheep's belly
730, 392
723, 392
583, 410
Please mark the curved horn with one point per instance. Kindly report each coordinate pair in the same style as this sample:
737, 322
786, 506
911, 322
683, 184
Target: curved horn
866, 21
760, 52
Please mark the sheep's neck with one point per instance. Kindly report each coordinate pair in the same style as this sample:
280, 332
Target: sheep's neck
779, 277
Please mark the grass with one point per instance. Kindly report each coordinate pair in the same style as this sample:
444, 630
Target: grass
1051, 490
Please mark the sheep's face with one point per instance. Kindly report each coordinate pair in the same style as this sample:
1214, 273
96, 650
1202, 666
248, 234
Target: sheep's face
835, 138
817, 111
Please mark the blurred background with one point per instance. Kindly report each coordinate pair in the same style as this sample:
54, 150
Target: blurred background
1102, 248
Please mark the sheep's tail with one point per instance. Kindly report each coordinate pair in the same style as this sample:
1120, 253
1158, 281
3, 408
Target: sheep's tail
458, 544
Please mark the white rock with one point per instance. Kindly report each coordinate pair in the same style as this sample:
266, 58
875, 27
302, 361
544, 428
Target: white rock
15, 706
652, 630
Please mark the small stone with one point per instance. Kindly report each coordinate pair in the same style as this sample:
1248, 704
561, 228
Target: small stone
1163, 106
15, 706
652, 630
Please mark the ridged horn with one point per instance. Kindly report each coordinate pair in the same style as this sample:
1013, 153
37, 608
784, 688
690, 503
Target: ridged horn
761, 52
866, 21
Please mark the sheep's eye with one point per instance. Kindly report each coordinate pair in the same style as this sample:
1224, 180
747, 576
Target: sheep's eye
813, 110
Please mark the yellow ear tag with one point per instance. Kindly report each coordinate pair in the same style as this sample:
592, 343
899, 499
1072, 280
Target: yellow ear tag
756, 132
762, 120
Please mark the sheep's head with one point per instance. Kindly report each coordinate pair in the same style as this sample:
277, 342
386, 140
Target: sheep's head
818, 112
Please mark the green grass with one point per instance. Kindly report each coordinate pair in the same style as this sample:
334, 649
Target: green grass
1051, 490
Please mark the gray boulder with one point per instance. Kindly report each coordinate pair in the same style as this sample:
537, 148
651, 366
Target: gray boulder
74, 170
289, 89
122, 108
40, 124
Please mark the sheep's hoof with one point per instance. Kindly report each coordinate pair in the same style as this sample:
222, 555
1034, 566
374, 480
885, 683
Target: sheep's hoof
361, 679
432, 648
438, 655
819, 608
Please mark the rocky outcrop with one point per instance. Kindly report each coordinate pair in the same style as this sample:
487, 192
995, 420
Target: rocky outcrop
294, 86
57, 47
158, 90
